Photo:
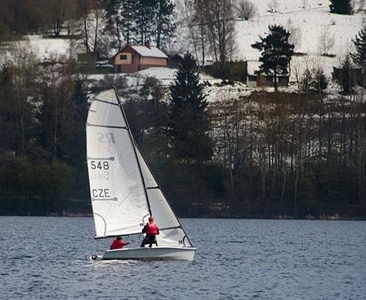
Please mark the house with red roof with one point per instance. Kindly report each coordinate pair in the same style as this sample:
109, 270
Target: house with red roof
133, 58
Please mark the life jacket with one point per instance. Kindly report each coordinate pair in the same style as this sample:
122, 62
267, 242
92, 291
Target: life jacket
118, 244
152, 228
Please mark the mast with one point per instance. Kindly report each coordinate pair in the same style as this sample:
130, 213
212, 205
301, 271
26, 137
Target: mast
134, 149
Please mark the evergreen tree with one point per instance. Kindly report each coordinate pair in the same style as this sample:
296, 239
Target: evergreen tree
139, 21
347, 78
113, 21
360, 44
165, 25
145, 18
128, 24
74, 140
276, 52
342, 7
6, 91
189, 120
305, 83
320, 82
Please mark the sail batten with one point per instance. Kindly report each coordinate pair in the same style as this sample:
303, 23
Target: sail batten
120, 127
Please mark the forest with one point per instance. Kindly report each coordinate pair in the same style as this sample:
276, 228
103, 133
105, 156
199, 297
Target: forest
265, 155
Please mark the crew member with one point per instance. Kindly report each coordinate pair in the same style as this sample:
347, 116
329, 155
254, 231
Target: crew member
118, 243
151, 230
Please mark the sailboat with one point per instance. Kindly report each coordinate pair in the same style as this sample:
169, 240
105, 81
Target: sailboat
124, 193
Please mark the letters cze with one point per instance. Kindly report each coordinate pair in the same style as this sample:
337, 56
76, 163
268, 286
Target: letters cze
101, 193
106, 138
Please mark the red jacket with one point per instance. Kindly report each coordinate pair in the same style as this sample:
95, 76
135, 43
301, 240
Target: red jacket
152, 228
118, 244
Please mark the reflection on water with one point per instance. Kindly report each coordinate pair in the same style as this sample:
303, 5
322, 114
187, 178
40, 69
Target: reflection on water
235, 259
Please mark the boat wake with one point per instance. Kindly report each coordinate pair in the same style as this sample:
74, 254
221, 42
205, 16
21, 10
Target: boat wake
95, 257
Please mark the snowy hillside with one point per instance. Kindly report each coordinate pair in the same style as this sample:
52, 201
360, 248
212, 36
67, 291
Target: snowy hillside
312, 23
309, 19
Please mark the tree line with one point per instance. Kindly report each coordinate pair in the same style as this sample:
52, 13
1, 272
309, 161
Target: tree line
264, 155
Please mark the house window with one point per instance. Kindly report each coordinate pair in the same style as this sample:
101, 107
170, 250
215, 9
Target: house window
123, 57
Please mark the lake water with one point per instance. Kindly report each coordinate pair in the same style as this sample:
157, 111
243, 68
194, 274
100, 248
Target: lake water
49, 258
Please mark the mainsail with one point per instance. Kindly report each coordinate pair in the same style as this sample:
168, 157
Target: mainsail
123, 190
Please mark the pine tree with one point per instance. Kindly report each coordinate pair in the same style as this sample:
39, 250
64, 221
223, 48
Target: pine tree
189, 120
342, 7
139, 21
276, 52
145, 18
73, 143
6, 92
113, 21
305, 83
347, 77
320, 82
360, 44
128, 15
314, 81
154, 21
165, 25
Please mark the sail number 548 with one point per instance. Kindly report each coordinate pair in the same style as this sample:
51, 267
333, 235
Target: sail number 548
100, 165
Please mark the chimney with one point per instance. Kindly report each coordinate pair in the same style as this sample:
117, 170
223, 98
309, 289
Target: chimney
147, 44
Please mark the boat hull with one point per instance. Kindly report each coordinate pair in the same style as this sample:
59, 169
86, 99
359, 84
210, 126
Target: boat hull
155, 253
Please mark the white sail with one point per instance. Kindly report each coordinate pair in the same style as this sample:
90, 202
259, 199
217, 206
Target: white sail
116, 188
124, 193
171, 231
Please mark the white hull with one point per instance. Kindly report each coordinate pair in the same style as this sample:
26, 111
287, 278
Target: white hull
154, 253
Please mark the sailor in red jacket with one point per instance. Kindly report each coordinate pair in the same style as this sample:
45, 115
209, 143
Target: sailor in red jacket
118, 243
151, 230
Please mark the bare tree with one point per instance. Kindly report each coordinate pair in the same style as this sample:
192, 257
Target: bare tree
198, 28
273, 6
361, 5
219, 19
211, 27
59, 12
326, 41
295, 34
246, 10
23, 64
190, 16
89, 24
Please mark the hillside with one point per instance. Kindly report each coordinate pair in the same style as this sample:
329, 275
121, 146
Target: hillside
311, 20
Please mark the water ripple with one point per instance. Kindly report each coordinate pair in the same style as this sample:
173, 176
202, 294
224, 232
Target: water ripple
240, 259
